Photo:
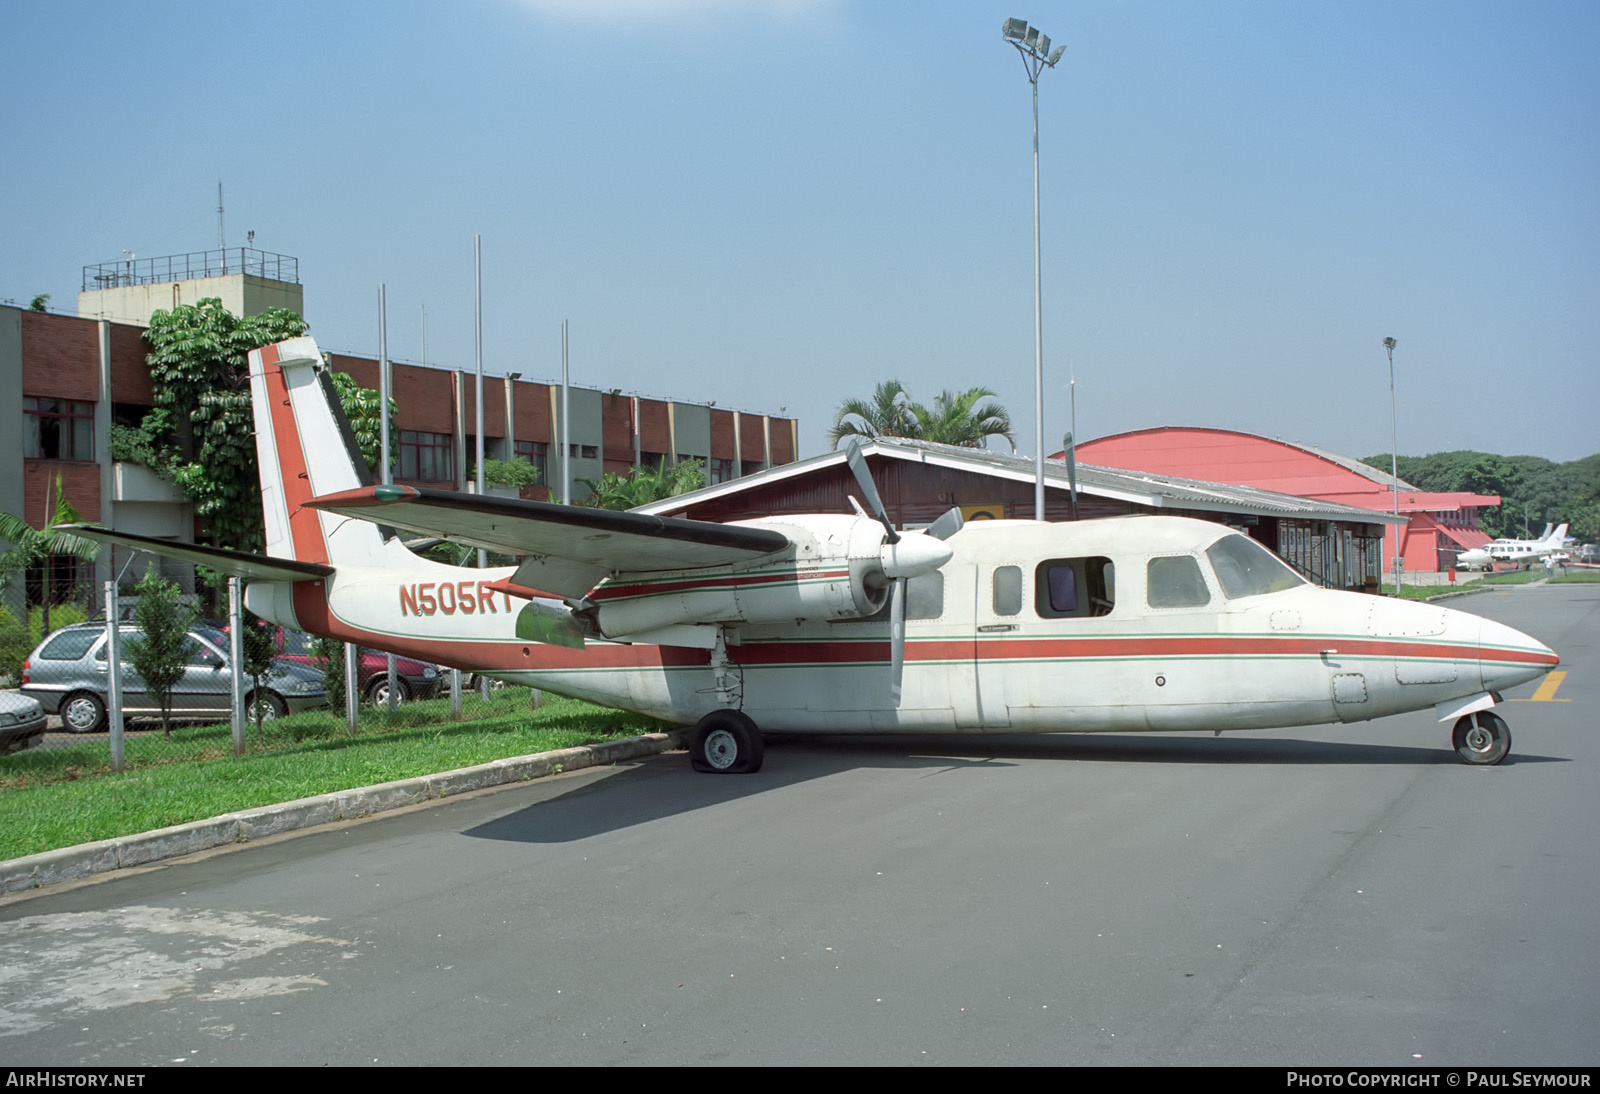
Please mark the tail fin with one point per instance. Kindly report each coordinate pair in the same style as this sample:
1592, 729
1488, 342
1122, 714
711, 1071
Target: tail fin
306, 448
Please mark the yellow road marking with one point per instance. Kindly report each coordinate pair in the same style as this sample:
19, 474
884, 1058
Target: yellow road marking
1546, 692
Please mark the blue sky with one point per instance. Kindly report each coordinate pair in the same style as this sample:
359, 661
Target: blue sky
778, 203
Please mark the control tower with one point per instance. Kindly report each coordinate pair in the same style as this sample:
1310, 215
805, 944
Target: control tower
247, 281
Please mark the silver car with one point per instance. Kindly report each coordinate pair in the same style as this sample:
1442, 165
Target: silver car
67, 674
21, 722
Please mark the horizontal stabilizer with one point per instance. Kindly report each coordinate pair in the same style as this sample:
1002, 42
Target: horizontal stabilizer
576, 546
243, 564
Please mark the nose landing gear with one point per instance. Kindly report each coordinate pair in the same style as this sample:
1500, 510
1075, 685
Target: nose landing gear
1482, 738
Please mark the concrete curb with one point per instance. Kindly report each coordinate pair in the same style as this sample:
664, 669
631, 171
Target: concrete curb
105, 856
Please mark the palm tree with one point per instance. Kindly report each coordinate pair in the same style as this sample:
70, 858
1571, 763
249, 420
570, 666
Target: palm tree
30, 545
958, 418
887, 414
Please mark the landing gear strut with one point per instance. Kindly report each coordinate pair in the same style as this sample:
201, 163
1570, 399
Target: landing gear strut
1482, 738
726, 742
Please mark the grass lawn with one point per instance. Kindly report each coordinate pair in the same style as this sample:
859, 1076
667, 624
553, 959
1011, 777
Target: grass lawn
57, 797
1428, 592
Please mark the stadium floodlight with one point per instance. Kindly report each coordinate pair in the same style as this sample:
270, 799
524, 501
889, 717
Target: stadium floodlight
1036, 57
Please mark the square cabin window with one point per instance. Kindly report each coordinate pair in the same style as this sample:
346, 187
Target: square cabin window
1065, 588
1175, 582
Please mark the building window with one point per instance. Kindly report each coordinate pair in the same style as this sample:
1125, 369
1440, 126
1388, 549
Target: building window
536, 453
426, 457
720, 470
57, 429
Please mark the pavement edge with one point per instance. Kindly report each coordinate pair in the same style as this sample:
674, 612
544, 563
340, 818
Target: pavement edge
124, 852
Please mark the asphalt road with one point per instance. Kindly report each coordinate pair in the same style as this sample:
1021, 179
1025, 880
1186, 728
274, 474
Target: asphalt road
1346, 895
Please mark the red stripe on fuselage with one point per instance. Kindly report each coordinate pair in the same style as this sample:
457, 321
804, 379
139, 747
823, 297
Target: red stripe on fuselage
511, 655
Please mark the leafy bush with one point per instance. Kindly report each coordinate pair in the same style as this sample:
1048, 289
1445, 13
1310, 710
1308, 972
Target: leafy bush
130, 444
518, 473
17, 640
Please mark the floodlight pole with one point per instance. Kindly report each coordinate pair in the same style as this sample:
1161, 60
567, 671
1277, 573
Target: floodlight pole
1034, 49
1394, 466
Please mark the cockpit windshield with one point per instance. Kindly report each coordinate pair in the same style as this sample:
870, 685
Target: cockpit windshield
1245, 568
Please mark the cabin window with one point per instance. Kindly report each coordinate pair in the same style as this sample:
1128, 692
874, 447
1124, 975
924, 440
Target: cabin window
1007, 590
1175, 581
1245, 568
1069, 587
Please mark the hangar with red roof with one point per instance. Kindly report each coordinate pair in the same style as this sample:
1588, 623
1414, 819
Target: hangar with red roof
1440, 525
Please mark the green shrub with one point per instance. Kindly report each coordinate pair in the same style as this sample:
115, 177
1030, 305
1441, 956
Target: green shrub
17, 641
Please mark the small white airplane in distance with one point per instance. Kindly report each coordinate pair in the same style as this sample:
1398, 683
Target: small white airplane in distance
1482, 558
1524, 551
834, 623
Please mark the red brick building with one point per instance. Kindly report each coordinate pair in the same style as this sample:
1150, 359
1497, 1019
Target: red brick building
65, 380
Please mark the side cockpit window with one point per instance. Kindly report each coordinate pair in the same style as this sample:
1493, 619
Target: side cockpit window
1175, 581
1074, 587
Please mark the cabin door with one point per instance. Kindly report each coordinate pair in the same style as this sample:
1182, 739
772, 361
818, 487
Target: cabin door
998, 617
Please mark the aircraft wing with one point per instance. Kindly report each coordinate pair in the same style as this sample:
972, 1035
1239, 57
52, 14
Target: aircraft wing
251, 567
568, 548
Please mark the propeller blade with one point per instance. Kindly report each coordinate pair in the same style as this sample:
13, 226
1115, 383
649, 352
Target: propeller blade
948, 524
897, 638
858, 468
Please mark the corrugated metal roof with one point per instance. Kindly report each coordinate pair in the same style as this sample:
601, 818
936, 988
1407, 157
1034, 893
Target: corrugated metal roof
1141, 488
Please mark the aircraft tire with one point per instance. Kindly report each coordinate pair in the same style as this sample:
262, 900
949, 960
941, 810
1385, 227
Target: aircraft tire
726, 742
1484, 742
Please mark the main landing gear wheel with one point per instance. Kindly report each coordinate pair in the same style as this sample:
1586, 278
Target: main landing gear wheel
726, 742
1484, 741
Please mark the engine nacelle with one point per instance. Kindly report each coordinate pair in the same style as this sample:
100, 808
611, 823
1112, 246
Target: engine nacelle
834, 571
272, 601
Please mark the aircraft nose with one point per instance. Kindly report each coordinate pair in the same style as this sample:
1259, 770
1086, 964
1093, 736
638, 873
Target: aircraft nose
1508, 657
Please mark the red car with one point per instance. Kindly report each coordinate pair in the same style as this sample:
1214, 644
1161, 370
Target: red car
414, 679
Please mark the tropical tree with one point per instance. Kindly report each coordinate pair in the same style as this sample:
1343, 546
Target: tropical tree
257, 646
886, 414
202, 422
31, 546
958, 418
643, 485
160, 653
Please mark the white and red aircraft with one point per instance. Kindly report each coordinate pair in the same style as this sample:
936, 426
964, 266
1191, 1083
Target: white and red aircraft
840, 624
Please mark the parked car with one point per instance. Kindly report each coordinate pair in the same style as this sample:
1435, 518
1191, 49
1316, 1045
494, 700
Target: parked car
414, 679
22, 722
67, 675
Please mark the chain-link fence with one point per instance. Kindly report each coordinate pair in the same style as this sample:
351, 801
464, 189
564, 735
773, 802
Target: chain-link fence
222, 700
